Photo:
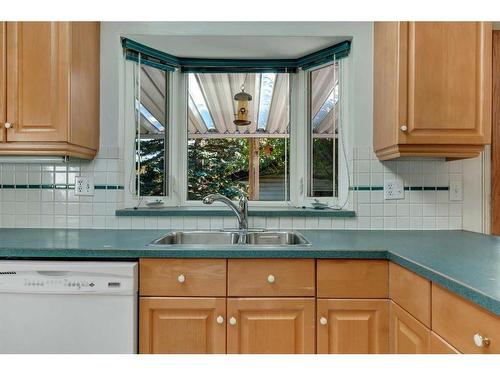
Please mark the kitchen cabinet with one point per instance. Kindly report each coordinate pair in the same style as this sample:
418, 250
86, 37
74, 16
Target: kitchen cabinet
352, 278
469, 328
271, 326
182, 325
50, 88
285, 306
353, 326
432, 89
3, 80
440, 346
271, 277
406, 334
412, 292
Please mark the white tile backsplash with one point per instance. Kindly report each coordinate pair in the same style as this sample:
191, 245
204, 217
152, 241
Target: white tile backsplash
57, 207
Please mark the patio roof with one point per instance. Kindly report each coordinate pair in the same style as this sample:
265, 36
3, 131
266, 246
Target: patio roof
211, 106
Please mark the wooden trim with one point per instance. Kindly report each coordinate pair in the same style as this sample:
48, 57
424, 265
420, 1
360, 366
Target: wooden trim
495, 138
47, 148
449, 151
253, 168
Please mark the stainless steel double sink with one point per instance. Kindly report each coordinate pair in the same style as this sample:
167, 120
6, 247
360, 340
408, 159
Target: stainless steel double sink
232, 237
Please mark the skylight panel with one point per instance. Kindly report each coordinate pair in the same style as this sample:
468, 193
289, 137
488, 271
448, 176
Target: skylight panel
327, 106
199, 101
267, 82
149, 117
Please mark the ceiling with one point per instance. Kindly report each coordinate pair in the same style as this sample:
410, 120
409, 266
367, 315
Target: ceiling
238, 47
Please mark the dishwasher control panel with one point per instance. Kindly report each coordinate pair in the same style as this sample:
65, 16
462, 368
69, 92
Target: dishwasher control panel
81, 278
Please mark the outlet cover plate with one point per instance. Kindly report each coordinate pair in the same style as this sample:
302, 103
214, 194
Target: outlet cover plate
84, 185
394, 189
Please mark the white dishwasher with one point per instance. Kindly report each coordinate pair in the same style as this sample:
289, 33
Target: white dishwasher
68, 307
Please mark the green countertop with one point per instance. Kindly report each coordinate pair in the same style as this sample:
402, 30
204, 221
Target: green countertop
464, 262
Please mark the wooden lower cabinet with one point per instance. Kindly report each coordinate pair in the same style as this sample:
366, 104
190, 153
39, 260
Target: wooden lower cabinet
271, 325
406, 334
182, 325
353, 326
440, 346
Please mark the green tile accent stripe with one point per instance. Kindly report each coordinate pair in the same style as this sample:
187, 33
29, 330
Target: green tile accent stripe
195, 211
407, 188
58, 186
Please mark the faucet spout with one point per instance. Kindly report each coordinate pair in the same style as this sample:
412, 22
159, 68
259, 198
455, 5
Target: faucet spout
240, 210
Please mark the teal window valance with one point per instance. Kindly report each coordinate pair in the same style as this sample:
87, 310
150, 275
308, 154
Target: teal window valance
162, 60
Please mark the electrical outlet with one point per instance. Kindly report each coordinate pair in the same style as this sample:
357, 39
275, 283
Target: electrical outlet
456, 193
84, 185
394, 189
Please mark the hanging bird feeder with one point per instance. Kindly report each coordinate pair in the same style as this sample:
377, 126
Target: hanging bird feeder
242, 115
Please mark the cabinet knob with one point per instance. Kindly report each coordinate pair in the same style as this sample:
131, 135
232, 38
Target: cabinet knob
404, 128
220, 319
481, 341
7, 125
232, 321
181, 278
271, 279
323, 321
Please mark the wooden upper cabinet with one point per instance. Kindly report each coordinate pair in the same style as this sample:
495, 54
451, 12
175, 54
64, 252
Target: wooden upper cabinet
432, 88
270, 326
51, 82
182, 325
350, 326
38, 57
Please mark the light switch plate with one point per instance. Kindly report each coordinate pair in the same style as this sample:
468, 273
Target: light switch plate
456, 192
84, 185
394, 189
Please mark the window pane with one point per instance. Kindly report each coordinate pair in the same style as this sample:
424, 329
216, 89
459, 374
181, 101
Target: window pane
151, 141
323, 130
228, 159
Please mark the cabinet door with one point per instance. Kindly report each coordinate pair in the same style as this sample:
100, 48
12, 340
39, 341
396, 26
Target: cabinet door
182, 325
3, 76
448, 88
353, 326
406, 334
270, 325
38, 58
440, 346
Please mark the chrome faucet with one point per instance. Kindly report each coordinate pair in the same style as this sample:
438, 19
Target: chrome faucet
240, 210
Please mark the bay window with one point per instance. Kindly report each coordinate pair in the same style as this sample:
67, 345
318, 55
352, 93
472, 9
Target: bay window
187, 143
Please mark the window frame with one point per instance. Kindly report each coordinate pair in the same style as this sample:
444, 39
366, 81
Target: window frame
178, 146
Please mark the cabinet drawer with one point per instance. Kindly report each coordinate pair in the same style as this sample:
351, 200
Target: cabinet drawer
271, 277
410, 291
339, 278
458, 320
183, 277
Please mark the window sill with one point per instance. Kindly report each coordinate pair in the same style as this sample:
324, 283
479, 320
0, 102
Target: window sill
262, 212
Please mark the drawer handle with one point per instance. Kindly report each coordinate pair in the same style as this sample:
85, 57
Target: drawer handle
481, 341
181, 278
232, 321
220, 319
7, 125
271, 279
323, 321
